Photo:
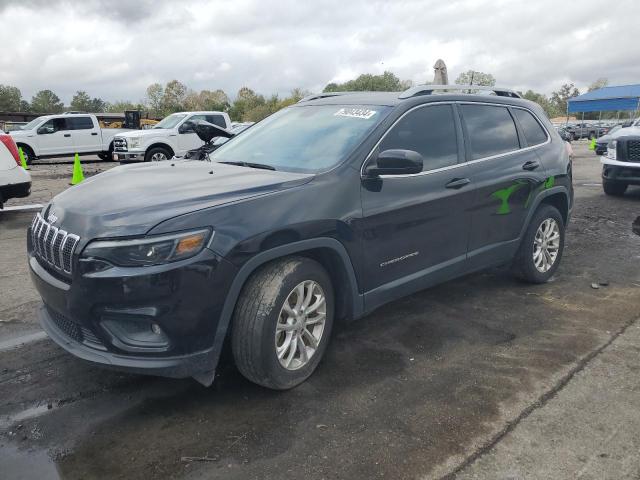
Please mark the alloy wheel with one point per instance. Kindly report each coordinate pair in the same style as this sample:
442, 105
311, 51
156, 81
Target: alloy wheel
300, 325
546, 245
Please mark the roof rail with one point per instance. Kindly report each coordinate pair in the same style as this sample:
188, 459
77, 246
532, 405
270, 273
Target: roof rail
316, 96
430, 89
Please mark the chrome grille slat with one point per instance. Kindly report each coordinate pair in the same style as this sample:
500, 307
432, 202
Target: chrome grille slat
52, 245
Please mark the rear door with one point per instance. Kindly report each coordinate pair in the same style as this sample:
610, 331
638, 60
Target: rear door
54, 137
415, 225
505, 171
86, 135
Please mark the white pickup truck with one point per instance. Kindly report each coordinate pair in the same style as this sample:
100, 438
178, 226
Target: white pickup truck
173, 136
63, 135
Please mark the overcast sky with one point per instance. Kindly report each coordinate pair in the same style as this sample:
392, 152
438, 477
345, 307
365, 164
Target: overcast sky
115, 49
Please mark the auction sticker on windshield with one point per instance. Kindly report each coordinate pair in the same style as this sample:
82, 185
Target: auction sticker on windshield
355, 113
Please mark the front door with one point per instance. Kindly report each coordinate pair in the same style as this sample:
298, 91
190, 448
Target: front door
416, 226
506, 171
188, 140
55, 137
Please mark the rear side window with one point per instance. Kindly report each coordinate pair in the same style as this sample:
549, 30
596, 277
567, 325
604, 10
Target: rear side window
430, 131
217, 120
491, 130
80, 123
533, 131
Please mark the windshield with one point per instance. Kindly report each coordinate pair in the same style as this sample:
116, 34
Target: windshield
614, 129
170, 121
31, 125
306, 139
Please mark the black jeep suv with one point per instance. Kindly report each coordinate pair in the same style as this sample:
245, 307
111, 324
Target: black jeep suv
320, 213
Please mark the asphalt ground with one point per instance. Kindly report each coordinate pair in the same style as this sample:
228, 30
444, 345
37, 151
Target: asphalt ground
430, 386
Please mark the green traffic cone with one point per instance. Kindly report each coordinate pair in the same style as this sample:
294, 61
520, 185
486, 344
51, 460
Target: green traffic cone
23, 162
78, 176
592, 145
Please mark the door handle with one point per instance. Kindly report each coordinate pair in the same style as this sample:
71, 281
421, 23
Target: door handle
531, 165
458, 183
67, 134
94, 133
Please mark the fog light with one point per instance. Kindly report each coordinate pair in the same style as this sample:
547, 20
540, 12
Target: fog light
135, 335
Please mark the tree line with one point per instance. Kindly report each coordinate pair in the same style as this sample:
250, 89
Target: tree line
161, 100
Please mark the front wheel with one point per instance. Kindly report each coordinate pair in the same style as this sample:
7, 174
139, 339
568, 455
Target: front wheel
541, 249
615, 189
157, 154
282, 322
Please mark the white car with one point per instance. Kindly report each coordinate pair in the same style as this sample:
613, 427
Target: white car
15, 181
173, 136
64, 135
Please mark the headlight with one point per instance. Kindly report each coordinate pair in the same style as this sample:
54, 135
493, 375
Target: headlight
612, 150
149, 250
133, 142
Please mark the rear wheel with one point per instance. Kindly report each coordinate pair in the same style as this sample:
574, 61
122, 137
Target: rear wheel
282, 322
541, 249
157, 154
615, 189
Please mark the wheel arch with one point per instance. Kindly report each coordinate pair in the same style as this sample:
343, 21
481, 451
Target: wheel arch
557, 197
329, 252
24, 145
166, 146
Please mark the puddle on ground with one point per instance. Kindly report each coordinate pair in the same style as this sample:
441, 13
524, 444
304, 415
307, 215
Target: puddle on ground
19, 464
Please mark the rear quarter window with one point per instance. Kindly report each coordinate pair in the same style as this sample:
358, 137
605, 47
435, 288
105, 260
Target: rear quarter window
533, 132
491, 130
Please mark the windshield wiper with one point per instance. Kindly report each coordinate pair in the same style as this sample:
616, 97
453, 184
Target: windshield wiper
251, 165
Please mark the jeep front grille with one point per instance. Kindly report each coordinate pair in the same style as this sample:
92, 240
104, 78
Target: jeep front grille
120, 144
53, 246
633, 150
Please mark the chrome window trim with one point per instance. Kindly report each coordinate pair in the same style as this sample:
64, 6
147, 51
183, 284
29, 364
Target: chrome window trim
457, 165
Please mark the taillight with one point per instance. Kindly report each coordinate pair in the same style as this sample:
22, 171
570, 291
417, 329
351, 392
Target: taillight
11, 146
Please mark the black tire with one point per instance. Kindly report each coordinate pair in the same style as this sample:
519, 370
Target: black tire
615, 189
253, 336
29, 156
155, 150
104, 156
524, 266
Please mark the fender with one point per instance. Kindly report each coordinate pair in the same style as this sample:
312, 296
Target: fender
536, 203
25, 141
260, 259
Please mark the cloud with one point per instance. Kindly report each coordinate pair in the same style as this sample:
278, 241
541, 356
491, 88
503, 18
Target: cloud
114, 49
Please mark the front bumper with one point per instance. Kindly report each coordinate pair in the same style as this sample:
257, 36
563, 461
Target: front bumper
15, 190
181, 366
621, 174
93, 314
128, 156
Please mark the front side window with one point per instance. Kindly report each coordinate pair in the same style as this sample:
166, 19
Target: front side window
54, 125
80, 123
304, 138
532, 130
491, 130
430, 131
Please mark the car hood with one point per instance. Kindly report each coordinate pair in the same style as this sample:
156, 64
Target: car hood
625, 132
21, 133
132, 199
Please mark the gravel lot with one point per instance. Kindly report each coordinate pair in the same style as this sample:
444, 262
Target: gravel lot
473, 379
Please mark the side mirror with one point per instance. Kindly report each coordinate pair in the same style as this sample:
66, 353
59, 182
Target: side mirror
396, 162
206, 131
186, 127
45, 130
